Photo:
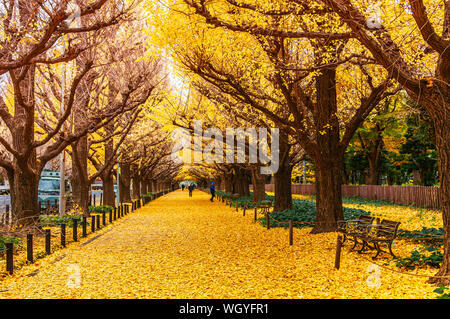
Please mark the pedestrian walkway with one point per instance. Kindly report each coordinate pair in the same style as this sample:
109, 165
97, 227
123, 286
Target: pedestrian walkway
188, 247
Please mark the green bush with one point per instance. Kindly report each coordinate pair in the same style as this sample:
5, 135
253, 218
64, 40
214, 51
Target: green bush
429, 236
421, 258
9, 239
441, 291
148, 195
100, 209
54, 220
303, 214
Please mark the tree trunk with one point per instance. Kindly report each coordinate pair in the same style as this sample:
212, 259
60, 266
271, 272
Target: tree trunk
136, 186
328, 161
80, 179
228, 183
241, 183
109, 197
259, 185
374, 171
282, 178
24, 190
328, 197
283, 188
442, 131
124, 183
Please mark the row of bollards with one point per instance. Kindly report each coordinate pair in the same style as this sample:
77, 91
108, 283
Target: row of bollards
96, 224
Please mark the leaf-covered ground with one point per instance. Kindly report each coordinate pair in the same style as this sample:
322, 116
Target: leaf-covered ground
182, 247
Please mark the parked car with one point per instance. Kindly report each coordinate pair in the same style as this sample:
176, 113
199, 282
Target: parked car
4, 189
49, 188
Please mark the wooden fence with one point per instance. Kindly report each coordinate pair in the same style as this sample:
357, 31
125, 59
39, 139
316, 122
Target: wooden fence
421, 196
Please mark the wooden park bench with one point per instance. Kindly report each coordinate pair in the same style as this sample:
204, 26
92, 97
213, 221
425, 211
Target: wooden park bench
376, 234
354, 226
371, 234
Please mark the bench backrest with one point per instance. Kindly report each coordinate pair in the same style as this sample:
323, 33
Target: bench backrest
364, 221
388, 228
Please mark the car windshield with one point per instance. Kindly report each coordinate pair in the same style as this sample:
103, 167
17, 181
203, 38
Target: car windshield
48, 185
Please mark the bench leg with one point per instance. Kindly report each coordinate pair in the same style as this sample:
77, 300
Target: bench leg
354, 245
390, 249
377, 246
363, 246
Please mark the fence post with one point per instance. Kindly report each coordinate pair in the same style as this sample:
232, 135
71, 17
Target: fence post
9, 258
84, 224
291, 232
236, 205
30, 248
337, 260
63, 234
267, 221
245, 207
115, 209
75, 229
47, 242
254, 219
110, 215
98, 221
104, 218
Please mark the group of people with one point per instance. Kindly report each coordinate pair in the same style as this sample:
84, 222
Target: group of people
212, 189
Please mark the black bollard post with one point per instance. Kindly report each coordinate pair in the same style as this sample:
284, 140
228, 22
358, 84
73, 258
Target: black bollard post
75, 229
98, 221
254, 218
63, 234
84, 225
9, 258
47, 242
30, 248
115, 216
267, 221
110, 215
337, 259
93, 223
104, 218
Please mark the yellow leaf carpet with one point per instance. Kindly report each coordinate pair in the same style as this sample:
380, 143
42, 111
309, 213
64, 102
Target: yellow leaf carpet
187, 247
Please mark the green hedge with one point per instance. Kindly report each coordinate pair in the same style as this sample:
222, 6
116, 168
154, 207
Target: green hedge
305, 211
100, 209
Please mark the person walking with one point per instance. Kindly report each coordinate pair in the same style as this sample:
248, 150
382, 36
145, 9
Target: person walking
212, 189
191, 188
182, 187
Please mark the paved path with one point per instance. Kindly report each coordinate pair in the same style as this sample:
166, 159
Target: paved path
182, 247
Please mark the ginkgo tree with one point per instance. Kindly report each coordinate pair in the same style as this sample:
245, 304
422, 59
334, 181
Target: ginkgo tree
297, 66
411, 40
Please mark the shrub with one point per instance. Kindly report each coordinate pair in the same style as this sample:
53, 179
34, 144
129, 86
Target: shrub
421, 258
54, 220
429, 236
100, 209
303, 214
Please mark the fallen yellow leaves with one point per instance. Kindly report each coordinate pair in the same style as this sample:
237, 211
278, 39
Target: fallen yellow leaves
182, 247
